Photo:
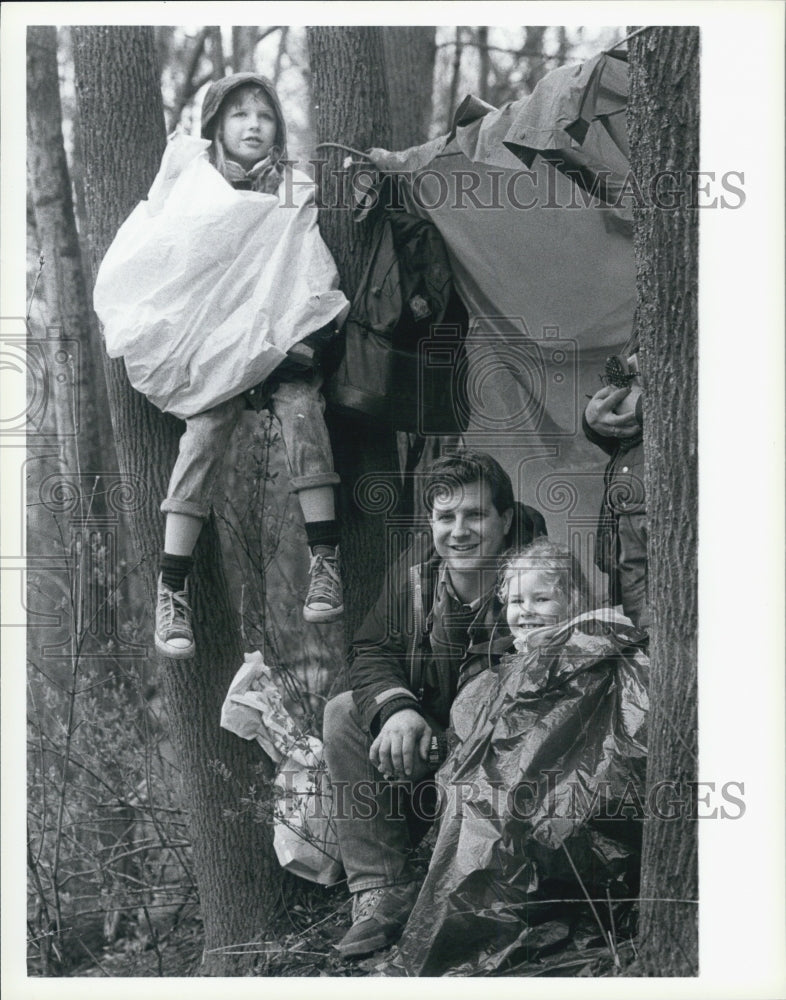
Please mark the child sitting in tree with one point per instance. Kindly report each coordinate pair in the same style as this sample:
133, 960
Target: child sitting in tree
242, 118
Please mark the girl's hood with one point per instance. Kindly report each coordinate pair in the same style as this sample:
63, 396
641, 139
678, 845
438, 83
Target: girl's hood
219, 89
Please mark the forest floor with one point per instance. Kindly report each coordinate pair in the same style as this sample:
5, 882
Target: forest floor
303, 945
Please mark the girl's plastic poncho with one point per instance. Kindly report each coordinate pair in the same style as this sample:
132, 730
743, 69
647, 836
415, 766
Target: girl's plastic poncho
205, 288
545, 781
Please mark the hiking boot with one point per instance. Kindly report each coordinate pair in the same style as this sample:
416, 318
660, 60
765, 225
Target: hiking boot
378, 918
325, 598
174, 634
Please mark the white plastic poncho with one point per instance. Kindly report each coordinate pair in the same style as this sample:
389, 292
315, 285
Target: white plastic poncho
205, 288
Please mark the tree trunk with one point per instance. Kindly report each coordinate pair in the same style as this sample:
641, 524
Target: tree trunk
664, 135
484, 63
189, 85
237, 876
351, 103
409, 72
533, 49
244, 40
454, 80
80, 400
217, 53
280, 53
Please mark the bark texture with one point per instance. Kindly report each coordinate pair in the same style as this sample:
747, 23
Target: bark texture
409, 71
123, 137
351, 107
80, 400
663, 122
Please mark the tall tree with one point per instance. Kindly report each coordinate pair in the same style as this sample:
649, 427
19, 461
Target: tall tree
484, 62
454, 79
532, 50
409, 72
238, 878
217, 52
80, 400
352, 108
663, 124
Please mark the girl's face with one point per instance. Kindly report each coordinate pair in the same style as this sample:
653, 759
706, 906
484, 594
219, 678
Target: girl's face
248, 126
534, 599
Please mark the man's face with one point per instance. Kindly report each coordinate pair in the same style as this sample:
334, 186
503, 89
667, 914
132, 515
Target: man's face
248, 127
469, 532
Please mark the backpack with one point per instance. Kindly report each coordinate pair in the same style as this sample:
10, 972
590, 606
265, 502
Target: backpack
403, 360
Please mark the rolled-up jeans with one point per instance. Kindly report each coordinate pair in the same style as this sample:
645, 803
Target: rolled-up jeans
298, 405
375, 819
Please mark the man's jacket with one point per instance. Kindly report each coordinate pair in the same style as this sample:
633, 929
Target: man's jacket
391, 654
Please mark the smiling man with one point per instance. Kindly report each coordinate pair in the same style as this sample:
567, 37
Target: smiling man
430, 630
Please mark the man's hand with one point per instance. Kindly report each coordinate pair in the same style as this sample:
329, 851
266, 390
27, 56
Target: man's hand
401, 749
603, 420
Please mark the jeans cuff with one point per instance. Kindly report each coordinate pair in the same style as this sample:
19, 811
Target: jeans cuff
316, 479
174, 506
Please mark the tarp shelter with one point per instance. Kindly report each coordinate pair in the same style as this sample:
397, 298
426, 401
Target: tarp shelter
532, 203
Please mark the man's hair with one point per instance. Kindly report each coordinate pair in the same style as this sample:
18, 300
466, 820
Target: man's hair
553, 559
450, 472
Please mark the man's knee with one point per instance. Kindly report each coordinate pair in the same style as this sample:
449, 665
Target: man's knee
340, 715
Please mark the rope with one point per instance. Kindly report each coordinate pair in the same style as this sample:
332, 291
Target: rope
346, 149
627, 38
359, 152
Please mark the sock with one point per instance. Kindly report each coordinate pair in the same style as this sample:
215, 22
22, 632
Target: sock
174, 570
322, 533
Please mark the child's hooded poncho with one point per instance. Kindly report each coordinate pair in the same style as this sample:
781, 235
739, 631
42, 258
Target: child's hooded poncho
205, 288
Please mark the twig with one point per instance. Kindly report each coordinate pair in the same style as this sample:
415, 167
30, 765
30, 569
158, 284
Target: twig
35, 286
154, 939
627, 38
33, 865
613, 931
595, 913
97, 960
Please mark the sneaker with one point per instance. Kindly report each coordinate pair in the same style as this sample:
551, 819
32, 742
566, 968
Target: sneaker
325, 598
378, 918
174, 634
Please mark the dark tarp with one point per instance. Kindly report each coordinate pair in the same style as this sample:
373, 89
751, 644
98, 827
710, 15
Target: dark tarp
545, 268
546, 779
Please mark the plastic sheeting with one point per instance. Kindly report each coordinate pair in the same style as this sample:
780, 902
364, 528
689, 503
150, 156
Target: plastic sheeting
204, 288
304, 832
546, 780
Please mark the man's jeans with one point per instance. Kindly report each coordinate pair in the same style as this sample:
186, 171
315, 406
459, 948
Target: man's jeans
374, 818
299, 407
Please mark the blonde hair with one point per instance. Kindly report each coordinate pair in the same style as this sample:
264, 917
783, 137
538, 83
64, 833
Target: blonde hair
559, 562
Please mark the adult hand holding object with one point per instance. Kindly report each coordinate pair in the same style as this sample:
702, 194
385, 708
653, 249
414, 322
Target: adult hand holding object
611, 412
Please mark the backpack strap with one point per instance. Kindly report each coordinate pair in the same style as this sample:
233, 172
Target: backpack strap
415, 654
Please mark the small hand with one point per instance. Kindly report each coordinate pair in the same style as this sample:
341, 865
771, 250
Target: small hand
393, 752
602, 418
